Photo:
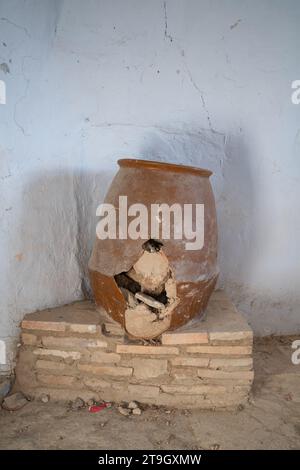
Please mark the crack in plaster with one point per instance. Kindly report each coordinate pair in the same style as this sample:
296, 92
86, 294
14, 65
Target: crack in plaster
204, 106
16, 26
167, 35
24, 96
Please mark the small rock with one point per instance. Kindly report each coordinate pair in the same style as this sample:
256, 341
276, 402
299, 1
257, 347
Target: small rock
4, 389
14, 402
45, 398
77, 404
123, 411
215, 447
132, 405
137, 411
90, 402
168, 412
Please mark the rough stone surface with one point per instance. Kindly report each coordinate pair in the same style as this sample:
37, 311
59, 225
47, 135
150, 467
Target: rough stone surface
48, 379
221, 350
221, 374
75, 355
190, 361
132, 405
77, 404
194, 389
124, 411
148, 350
105, 357
143, 392
45, 398
14, 402
28, 338
96, 384
225, 363
148, 368
106, 370
51, 365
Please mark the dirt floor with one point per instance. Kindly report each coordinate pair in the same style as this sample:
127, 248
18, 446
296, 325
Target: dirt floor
270, 421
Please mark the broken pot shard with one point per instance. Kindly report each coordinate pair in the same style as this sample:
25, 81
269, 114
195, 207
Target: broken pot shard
180, 279
142, 323
148, 316
151, 271
150, 301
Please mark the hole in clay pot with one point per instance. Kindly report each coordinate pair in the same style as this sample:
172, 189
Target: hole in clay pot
152, 245
149, 289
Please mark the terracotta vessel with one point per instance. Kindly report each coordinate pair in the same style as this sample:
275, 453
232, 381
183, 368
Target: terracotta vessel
150, 285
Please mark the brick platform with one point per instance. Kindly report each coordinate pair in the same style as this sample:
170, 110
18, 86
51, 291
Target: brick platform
77, 351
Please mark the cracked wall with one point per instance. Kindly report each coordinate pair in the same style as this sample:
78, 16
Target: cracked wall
193, 82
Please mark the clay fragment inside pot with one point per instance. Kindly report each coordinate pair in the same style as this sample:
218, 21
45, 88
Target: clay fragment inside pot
149, 289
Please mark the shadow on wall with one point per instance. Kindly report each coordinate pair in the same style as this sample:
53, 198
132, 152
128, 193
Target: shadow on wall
55, 237
89, 192
233, 186
58, 223
238, 212
65, 206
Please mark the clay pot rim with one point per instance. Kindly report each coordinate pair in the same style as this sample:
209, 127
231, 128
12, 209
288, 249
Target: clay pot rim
163, 166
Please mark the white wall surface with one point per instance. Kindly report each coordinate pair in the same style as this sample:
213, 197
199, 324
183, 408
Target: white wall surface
201, 82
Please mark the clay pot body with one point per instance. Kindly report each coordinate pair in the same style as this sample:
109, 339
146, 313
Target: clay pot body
194, 272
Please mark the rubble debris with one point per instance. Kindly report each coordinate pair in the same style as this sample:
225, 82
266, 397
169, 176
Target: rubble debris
14, 402
133, 405
131, 409
215, 447
149, 289
45, 398
77, 404
148, 300
130, 297
151, 271
141, 322
124, 411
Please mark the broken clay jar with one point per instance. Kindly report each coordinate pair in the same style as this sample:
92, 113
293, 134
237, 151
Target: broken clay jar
152, 284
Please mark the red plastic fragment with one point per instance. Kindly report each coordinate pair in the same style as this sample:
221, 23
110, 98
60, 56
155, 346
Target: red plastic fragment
97, 408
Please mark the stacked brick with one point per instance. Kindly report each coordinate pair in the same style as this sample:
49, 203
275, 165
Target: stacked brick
207, 364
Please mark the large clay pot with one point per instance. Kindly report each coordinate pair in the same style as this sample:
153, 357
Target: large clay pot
193, 273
